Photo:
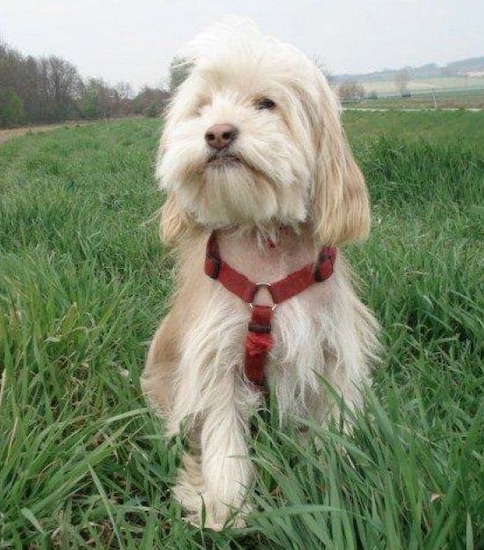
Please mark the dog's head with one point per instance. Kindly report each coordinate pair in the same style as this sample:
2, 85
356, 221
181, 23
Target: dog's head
253, 138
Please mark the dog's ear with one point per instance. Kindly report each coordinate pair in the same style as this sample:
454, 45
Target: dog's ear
174, 221
340, 203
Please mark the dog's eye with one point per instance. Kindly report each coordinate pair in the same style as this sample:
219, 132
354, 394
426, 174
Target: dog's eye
204, 102
265, 103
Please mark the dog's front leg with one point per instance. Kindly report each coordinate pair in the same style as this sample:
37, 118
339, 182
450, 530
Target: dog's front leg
214, 484
226, 466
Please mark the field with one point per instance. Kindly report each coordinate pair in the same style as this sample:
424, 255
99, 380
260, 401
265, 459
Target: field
440, 83
426, 93
452, 100
456, 129
84, 282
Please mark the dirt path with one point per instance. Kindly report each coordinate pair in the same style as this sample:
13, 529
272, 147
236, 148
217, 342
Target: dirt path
5, 135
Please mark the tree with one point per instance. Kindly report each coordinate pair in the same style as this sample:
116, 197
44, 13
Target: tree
401, 80
30, 89
98, 99
10, 70
13, 93
58, 88
11, 109
65, 86
123, 95
350, 90
50, 89
150, 101
179, 70
318, 61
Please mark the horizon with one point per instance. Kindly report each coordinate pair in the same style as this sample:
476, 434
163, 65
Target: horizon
119, 42
163, 83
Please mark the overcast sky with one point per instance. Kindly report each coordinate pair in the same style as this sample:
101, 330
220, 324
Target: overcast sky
134, 40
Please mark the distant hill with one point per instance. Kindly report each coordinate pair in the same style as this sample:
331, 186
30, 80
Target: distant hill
467, 65
430, 70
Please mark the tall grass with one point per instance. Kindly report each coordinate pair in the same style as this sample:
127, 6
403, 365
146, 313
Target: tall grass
84, 281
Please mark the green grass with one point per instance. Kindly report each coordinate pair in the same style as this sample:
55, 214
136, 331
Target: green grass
84, 282
454, 130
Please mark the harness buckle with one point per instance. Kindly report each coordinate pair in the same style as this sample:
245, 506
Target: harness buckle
257, 287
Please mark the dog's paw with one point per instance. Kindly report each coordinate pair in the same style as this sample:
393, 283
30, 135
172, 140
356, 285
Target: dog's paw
235, 522
207, 511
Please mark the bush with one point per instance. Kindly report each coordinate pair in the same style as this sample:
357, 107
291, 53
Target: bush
152, 111
350, 90
11, 109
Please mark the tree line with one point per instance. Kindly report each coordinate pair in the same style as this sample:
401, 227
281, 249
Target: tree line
351, 90
50, 89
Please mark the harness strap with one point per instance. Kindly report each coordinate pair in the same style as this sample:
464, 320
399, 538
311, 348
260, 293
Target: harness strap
259, 340
258, 343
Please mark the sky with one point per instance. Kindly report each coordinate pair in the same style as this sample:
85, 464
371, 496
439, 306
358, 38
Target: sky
135, 40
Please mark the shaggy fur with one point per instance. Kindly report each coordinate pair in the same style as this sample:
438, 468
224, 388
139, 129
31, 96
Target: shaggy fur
288, 178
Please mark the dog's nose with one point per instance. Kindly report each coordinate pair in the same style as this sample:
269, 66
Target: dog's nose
220, 136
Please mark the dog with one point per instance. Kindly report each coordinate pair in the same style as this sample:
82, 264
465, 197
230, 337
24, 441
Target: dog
261, 190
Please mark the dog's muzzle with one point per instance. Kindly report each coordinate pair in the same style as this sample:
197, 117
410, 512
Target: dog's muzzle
222, 158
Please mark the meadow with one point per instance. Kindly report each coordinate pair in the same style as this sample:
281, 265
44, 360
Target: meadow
84, 281
453, 100
421, 84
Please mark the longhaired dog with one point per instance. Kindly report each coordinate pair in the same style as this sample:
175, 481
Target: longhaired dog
261, 187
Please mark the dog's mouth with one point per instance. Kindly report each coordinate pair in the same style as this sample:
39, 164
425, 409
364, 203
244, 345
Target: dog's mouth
221, 158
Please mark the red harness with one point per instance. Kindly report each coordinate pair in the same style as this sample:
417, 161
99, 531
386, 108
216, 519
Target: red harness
259, 338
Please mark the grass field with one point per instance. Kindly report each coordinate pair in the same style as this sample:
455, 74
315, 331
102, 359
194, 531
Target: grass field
471, 99
84, 282
426, 93
440, 83
459, 130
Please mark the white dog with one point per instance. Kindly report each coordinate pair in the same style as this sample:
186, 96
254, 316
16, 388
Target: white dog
261, 187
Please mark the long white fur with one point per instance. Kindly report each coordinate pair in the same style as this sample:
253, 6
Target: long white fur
296, 173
